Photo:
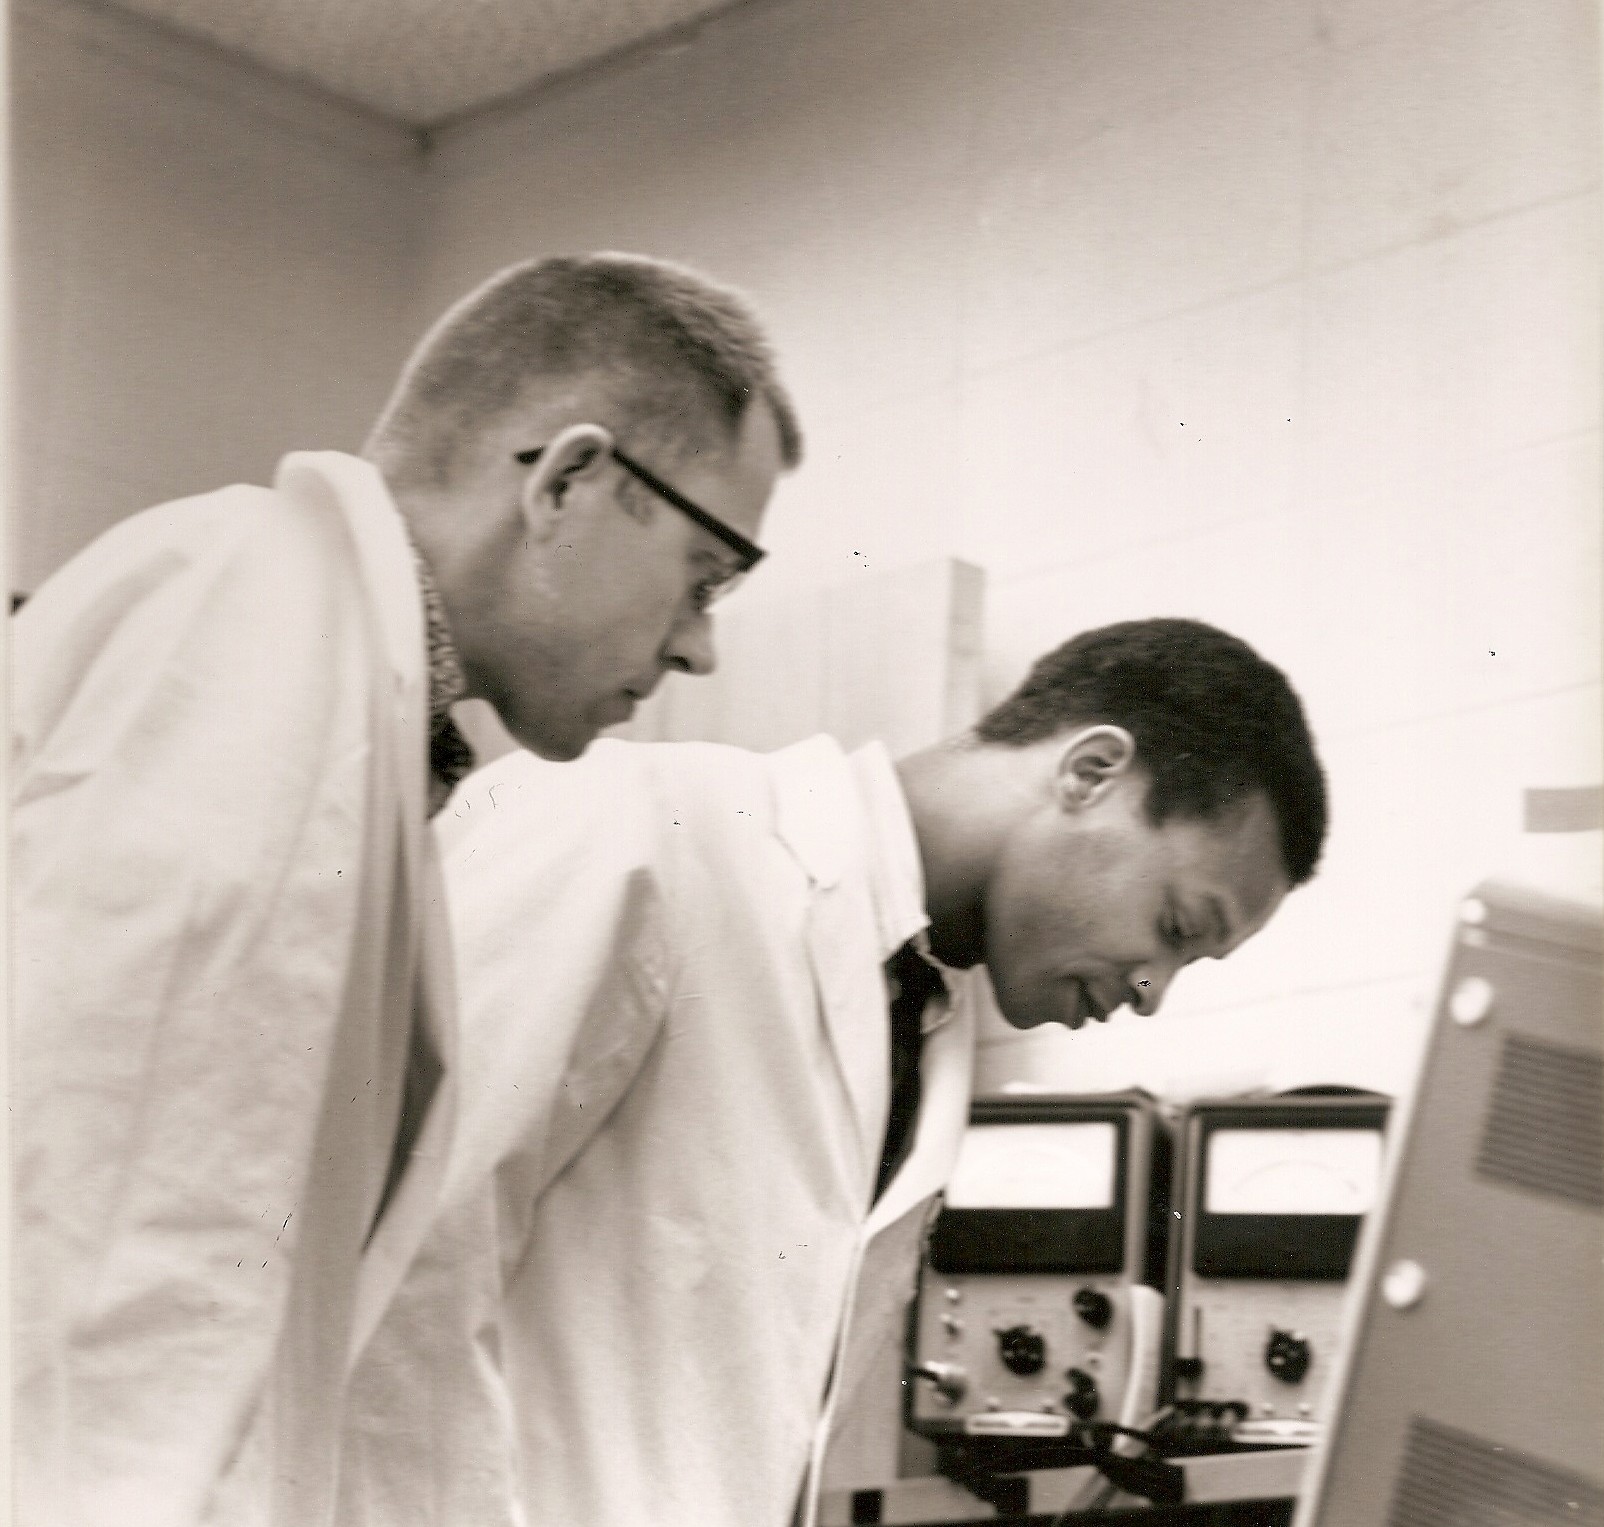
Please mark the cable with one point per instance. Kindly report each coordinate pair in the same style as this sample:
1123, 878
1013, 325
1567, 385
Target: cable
1113, 1429
1094, 1500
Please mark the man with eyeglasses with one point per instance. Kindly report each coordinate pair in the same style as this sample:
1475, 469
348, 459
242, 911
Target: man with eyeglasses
234, 1085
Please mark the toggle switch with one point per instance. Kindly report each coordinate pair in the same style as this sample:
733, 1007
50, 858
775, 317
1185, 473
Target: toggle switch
1083, 1398
950, 1380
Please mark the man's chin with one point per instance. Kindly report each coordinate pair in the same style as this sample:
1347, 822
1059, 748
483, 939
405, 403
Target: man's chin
1024, 1014
564, 748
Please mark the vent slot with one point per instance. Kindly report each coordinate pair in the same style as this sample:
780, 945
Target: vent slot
1451, 1479
1545, 1128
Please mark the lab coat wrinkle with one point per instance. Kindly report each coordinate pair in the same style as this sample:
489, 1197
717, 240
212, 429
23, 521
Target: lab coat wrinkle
218, 862
675, 954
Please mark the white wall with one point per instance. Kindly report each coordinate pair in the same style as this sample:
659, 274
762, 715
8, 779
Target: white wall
210, 267
1283, 314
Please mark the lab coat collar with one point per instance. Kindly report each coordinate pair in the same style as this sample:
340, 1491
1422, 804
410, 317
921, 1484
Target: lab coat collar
820, 815
897, 886
847, 822
813, 813
896, 874
354, 490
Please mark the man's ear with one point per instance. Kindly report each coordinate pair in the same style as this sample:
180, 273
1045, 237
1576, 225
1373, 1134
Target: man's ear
1091, 762
579, 451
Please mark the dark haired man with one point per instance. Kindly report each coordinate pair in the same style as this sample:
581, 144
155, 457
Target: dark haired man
233, 1064
713, 1140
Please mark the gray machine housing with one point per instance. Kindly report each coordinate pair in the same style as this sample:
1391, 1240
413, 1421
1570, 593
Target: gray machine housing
1256, 1301
1053, 1282
1472, 1389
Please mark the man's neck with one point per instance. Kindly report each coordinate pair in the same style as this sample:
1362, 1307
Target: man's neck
963, 796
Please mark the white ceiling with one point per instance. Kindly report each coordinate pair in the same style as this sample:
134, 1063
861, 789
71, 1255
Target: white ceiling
423, 62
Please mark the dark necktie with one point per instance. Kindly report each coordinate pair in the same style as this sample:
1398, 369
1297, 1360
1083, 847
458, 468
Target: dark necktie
450, 759
915, 981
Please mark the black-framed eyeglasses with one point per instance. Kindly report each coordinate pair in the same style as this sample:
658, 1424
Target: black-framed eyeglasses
749, 552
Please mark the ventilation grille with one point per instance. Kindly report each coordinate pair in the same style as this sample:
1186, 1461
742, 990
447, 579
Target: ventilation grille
1451, 1479
1545, 1129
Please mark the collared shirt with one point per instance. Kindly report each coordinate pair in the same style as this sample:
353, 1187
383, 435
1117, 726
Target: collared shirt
917, 998
450, 757
896, 872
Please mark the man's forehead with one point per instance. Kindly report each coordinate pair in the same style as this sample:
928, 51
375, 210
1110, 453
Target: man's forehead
736, 484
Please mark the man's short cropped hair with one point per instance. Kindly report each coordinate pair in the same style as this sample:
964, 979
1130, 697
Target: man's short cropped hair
672, 349
1213, 723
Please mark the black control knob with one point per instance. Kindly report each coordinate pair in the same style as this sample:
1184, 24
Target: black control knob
1022, 1349
1288, 1355
1083, 1398
1094, 1307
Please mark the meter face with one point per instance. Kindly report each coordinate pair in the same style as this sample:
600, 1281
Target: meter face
1292, 1171
1035, 1166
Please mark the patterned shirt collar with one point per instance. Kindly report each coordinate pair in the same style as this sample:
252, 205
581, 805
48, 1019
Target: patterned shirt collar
447, 684
450, 757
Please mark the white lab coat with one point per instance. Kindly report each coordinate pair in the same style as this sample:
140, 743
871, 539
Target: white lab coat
676, 1067
227, 914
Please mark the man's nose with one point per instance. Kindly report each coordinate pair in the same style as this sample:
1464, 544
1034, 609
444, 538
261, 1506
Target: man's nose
689, 648
1148, 984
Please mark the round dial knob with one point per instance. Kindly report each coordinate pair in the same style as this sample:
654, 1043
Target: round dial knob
1022, 1349
1082, 1399
1094, 1307
1287, 1355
